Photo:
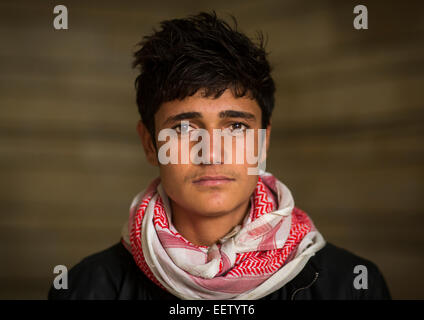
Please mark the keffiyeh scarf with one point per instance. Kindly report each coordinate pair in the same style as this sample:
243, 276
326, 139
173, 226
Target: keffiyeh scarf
256, 258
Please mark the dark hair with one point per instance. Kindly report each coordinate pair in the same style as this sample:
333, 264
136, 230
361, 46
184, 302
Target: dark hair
201, 52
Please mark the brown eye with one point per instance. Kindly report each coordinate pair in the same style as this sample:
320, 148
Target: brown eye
238, 127
183, 128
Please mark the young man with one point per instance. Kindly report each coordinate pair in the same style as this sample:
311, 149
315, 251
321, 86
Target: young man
208, 228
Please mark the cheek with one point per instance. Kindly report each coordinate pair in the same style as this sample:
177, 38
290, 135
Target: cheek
174, 178
247, 150
173, 174
250, 182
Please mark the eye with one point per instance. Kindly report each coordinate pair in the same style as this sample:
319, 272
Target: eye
183, 128
238, 127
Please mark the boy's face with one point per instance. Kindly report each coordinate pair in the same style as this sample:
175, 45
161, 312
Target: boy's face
208, 190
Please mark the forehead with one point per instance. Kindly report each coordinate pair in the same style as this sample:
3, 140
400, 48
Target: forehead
210, 108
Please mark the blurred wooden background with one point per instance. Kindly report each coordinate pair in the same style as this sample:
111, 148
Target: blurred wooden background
347, 128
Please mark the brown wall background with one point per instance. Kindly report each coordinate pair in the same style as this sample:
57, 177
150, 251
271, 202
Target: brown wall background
347, 129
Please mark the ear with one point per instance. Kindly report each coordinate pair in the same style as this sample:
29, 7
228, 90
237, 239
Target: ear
268, 136
147, 142
263, 153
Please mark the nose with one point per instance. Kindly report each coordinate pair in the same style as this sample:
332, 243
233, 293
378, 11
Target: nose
208, 148
215, 152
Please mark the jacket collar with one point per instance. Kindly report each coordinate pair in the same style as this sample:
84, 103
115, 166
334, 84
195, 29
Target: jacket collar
305, 279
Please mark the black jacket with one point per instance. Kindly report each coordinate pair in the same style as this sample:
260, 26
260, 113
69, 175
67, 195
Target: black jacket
113, 274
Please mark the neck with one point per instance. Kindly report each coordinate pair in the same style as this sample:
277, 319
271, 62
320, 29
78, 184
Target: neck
206, 230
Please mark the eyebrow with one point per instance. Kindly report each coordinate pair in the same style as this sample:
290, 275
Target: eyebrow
183, 116
222, 114
237, 114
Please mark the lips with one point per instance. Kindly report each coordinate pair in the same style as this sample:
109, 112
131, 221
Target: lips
212, 180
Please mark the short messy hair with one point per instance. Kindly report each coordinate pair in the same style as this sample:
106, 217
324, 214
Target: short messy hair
201, 52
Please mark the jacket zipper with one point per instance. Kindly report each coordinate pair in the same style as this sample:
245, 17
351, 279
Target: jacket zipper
299, 289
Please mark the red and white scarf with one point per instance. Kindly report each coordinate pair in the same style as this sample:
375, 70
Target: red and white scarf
256, 258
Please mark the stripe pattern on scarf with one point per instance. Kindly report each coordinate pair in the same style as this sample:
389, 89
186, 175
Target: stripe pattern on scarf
249, 269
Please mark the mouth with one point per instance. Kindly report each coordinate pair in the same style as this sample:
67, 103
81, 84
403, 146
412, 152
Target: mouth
212, 180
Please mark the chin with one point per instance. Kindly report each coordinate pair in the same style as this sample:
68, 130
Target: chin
212, 207
214, 212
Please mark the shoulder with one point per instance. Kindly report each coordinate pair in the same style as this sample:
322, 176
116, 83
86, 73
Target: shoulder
347, 275
340, 257
97, 276
115, 257
338, 261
